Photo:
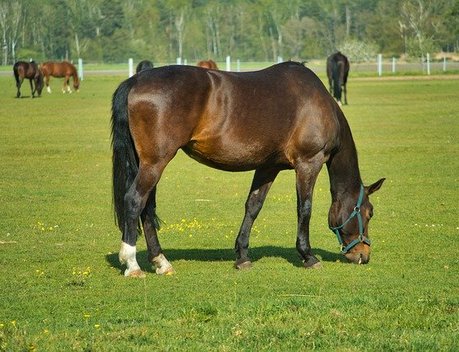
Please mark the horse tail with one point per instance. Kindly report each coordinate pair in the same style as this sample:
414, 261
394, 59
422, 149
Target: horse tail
124, 158
16, 74
337, 82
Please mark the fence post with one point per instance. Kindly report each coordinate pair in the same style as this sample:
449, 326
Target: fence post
428, 63
380, 65
238, 62
228, 63
131, 67
179, 61
444, 63
393, 64
80, 69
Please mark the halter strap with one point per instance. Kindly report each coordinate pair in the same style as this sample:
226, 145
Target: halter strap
361, 238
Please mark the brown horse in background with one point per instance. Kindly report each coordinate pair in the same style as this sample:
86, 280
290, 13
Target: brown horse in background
60, 69
337, 72
32, 72
279, 118
209, 64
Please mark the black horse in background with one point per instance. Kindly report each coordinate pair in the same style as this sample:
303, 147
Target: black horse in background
337, 72
32, 72
143, 65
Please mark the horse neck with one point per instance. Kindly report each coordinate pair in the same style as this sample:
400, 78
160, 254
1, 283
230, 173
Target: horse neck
343, 168
76, 80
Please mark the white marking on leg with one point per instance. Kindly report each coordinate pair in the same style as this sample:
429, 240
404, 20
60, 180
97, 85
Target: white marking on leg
127, 256
48, 89
162, 265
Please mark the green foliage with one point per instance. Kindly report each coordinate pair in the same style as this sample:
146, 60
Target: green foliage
358, 51
63, 289
260, 30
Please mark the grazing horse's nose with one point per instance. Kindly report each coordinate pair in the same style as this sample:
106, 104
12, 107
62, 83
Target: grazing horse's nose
358, 257
364, 259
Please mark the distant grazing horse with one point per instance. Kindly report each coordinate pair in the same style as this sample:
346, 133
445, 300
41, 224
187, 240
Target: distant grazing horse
210, 64
275, 119
143, 65
337, 72
60, 69
31, 71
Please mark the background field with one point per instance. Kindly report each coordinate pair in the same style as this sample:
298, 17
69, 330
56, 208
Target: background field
61, 287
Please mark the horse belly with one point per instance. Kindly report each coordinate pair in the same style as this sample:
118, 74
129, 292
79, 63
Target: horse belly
232, 156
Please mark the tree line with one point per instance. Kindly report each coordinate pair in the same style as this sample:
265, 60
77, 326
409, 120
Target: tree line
250, 30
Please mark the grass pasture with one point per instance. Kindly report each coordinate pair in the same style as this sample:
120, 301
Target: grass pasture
61, 287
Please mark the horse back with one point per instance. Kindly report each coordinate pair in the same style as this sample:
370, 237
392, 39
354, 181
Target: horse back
232, 121
58, 69
23, 69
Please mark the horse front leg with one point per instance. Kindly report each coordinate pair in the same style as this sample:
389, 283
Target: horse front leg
345, 94
66, 87
306, 175
67, 83
150, 226
32, 90
48, 88
261, 184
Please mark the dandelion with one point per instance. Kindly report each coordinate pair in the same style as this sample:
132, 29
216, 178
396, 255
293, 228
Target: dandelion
97, 326
86, 315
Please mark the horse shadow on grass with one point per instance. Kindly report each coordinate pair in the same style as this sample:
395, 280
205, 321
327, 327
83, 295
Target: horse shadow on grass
225, 254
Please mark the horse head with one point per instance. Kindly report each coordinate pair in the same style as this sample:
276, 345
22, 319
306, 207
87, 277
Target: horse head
349, 218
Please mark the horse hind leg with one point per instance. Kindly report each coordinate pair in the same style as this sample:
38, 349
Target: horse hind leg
135, 201
150, 226
18, 86
261, 184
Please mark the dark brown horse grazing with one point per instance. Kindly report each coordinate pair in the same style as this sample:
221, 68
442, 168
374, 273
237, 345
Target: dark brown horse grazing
31, 71
143, 65
278, 118
210, 64
337, 72
60, 69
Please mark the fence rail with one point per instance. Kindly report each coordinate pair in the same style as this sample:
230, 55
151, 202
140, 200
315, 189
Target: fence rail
386, 67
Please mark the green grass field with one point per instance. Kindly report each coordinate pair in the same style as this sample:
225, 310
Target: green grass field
62, 288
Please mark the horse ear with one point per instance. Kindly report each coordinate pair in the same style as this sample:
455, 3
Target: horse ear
375, 186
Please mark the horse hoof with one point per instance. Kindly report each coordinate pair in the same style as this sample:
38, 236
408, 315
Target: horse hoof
165, 271
312, 263
247, 264
138, 274
317, 265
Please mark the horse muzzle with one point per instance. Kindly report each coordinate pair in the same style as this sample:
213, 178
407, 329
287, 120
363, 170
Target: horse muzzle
360, 254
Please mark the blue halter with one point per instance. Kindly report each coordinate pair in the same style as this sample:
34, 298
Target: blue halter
361, 238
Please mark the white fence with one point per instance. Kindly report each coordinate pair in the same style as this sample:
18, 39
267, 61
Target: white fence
381, 66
